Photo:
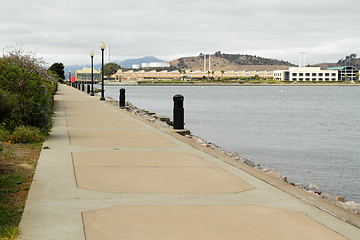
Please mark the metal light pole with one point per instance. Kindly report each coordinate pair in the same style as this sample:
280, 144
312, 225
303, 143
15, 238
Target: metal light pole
69, 77
92, 73
102, 47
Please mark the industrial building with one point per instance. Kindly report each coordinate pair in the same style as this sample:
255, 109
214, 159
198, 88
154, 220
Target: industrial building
85, 74
315, 74
346, 73
310, 74
198, 74
155, 65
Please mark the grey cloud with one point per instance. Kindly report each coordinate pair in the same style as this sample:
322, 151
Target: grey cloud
67, 30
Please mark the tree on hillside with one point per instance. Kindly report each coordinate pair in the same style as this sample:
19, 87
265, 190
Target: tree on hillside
58, 68
110, 69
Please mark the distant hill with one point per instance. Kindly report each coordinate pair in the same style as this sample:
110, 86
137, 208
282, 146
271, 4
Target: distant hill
124, 64
223, 61
350, 60
129, 62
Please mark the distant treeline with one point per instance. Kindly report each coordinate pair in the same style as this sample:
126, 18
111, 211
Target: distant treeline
244, 59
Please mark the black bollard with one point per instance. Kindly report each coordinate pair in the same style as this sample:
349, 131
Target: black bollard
88, 89
78, 85
122, 97
83, 87
178, 113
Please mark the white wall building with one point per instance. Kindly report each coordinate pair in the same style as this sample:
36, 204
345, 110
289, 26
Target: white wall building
306, 74
155, 65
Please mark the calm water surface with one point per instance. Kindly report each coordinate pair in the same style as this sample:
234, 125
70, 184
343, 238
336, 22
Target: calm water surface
308, 133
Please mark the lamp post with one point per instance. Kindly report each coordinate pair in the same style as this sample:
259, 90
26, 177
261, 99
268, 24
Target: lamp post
102, 47
69, 77
92, 73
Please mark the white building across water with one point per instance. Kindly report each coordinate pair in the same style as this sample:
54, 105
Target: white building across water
315, 74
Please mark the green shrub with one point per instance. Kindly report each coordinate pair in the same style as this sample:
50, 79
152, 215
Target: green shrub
8, 104
27, 134
33, 87
4, 134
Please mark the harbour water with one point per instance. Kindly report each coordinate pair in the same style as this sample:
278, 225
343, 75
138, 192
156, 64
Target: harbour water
308, 133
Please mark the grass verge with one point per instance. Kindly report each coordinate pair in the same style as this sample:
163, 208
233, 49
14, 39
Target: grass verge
17, 167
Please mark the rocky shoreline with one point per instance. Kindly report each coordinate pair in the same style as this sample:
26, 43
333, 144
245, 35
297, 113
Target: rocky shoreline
310, 188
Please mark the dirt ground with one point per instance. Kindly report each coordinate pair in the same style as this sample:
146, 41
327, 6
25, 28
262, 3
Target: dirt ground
17, 167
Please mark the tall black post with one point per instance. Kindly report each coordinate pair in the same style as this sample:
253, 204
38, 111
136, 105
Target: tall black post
178, 113
69, 77
83, 87
88, 89
92, 73
122, 97
102, 98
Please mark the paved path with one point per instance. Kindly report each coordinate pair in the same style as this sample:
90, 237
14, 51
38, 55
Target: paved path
110, 175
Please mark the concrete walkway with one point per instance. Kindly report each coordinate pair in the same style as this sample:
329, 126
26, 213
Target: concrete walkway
110, 175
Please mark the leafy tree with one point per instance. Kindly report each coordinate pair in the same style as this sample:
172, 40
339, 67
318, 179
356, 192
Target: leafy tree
182, 64
110, 69
58, 68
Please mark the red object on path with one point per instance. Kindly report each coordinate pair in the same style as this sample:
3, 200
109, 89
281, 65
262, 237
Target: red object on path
73, 79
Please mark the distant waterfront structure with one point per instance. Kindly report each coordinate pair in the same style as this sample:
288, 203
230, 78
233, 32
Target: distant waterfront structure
135, 66
155, 65
315, 74
205, 64
346, 73
140, 75
306, 74
85, 74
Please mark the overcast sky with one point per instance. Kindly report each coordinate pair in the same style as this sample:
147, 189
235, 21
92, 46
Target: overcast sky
66, 31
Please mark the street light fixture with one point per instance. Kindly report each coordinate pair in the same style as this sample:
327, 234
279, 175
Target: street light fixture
102, 47
92, 73
69, 77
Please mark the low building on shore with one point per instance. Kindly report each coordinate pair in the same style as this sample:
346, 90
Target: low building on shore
85, 74
316, 74
307, 74
155, 65
346, 73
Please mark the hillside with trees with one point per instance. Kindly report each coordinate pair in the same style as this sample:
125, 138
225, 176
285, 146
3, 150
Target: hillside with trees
222, 61
350, 60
